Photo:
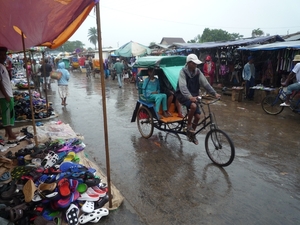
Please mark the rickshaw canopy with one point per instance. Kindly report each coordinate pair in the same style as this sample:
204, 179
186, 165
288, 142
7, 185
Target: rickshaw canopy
171, 66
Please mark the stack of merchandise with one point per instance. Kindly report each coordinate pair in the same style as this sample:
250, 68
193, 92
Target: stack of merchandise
46, 184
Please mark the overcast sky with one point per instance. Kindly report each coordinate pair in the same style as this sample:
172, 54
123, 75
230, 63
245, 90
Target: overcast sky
146, 21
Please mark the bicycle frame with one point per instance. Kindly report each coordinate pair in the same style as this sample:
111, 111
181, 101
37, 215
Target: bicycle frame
182, 124
208, 120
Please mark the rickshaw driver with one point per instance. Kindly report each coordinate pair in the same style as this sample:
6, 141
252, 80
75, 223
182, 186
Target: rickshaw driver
189, 83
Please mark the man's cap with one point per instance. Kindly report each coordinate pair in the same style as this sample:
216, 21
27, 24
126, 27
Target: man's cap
193, 58
3, 49
296, 58
118, 59
250, 57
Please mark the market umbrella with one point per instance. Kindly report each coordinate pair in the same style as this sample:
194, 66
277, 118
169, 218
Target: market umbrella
132, 49
23, 26
58, 22
43, 22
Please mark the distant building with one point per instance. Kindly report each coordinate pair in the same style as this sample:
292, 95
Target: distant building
171, 40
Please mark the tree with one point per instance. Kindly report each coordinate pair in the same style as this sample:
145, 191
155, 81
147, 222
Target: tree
196, 39
92, 36
257, 32
215, 35
71, 46
152, 43
236, 36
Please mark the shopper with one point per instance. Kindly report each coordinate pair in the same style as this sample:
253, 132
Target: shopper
119, 67
249, 77
63, 83
6, 97
295, 86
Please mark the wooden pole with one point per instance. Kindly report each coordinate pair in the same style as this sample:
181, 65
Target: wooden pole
45, 81
29, 91
103, 103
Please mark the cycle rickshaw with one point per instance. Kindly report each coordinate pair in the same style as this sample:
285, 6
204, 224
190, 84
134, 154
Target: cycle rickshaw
219, 147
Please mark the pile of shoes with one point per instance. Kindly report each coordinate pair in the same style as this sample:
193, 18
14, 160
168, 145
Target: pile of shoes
50, 185
22, 106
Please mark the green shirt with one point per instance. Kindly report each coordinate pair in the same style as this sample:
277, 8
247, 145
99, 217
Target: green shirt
119, 67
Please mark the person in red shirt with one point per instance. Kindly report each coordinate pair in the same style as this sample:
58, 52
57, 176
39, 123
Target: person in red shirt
209, 69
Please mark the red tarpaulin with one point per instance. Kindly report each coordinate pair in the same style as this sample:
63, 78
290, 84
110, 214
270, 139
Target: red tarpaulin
43, 22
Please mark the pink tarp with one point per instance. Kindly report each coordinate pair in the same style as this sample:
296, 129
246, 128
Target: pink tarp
43, 22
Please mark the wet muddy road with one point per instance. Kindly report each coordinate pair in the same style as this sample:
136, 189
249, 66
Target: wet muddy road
168, 180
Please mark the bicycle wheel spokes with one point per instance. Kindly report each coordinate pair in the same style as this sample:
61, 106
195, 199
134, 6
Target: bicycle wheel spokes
145, 122
271, 104
219, 147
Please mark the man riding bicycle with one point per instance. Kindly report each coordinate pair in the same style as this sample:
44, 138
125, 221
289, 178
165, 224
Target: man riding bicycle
189, 83
295, 86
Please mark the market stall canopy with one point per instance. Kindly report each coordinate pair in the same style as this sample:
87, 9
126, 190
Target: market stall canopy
47, 23
132, 49
273, 46
240, 42
171, 65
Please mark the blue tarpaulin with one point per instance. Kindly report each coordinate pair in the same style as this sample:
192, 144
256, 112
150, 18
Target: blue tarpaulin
273, 46
241, 42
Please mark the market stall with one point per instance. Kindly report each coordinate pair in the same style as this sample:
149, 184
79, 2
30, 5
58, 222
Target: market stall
57, 174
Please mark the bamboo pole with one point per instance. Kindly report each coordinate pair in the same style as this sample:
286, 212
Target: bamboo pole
103, 103
29, 91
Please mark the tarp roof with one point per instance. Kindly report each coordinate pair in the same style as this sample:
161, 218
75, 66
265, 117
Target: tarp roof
159, 61
273, 46
132, 49
171, 65
293, 38
241, 42
43, 22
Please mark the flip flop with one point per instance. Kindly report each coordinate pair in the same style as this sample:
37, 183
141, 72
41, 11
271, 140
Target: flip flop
17, 212
81, 188
64, 187
86, 197
90, 191
50, 160
20, 138
104, 212
10, 192
102, 201
88, 207
72, 215
88, 217
73, 184
65, 202
70, 166
70, 156
28, 189
5, 176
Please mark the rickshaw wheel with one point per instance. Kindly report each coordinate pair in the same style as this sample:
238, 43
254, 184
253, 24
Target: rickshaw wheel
145, 122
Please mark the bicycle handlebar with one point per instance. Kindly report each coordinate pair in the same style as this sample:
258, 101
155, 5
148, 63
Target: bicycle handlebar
199, 100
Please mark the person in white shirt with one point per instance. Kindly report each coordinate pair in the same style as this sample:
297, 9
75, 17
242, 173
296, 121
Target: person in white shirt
295, 86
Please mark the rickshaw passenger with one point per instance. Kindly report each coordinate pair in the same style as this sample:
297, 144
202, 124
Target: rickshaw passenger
167, 88
151, 90
189, 83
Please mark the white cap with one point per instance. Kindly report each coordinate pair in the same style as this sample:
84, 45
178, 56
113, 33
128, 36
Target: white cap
118, 59
193, 58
